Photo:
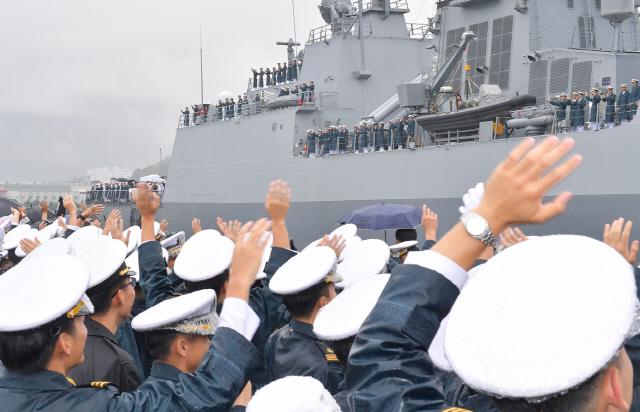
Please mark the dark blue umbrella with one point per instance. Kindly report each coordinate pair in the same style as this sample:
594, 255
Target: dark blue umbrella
384, 216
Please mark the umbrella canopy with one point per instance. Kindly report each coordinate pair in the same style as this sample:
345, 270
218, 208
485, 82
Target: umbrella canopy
152, 179
384, 216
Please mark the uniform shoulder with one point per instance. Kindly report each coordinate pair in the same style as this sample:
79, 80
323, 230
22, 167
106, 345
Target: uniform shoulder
330, 355
100, 385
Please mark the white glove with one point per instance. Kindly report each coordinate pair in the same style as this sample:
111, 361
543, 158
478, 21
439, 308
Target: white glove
472, 198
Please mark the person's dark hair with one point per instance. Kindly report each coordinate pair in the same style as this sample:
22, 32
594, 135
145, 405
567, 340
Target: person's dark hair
302, 303
406, 235
576, 400
158, 342
102, 295
342, 348
215, 283
30, 351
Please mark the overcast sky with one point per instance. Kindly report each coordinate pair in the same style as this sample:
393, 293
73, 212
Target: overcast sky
87, 83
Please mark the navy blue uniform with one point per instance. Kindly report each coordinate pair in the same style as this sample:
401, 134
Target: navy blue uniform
561, 113
577, 112
268, 306
610, 114
105, 360
635, 97
388, 367
624, 105
294, 350
594, 107
215, 386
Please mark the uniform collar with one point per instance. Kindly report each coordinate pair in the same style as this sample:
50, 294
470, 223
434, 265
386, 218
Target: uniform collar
98, 329
44, 381
303, 328
165, 371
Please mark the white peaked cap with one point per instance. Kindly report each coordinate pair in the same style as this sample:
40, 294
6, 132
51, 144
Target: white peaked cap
204, 256
351, 244
343, 317
58, 246
84, 234
348, 230
436, 350
370, 259
49, 232
133, 264
156, 230
293, 394
40, 291
403, 246
13, 237
103, 256
135, 234
542, 317
304, 270
193, 313
31, 235
173, 240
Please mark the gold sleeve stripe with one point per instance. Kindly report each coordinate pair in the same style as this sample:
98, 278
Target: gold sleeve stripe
71, 381
456, 410
331, 358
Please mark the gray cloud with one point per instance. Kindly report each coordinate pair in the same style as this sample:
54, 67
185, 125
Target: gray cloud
87, 83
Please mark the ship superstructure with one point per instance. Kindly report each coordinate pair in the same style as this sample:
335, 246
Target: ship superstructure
368, 63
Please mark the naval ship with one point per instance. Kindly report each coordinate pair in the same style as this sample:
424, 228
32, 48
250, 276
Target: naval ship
502, 60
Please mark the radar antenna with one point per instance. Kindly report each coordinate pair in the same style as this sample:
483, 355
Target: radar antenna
291, 54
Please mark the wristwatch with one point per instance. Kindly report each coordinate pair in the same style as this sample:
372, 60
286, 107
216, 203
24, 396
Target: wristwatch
478, 228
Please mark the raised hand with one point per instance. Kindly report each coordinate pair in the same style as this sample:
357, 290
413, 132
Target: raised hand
93, 210
164, 225
147, 201
429, 223
195, 225
337, 243
247, 257
15, 216
230, 229
514, 193
70, 206
617, 236
511, 237
29, 245
278, 200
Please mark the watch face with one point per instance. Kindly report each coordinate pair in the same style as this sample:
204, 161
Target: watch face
476, 226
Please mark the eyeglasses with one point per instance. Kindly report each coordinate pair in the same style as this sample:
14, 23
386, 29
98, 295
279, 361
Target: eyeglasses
132, 281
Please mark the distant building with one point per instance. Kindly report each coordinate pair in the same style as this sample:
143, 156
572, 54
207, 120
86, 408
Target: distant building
106, 174
30, 193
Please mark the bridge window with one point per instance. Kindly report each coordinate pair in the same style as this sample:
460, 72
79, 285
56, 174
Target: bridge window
500, 62
570, 4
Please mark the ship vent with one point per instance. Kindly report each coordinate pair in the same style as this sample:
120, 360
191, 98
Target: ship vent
581, 76
559, 79
455, 78
477, 54
538, 74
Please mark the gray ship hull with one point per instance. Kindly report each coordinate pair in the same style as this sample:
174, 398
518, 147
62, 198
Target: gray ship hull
605, 187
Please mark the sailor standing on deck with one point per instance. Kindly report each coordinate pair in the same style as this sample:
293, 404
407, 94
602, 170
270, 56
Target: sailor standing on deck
261, 78
561, 111
635, 96
624, 103
577, 112
311, 143
595, 109
610, 114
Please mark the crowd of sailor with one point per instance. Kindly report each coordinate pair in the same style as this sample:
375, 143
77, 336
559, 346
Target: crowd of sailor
597, 108
228, 108
282, 74
366, 137
118, 192
483, 318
